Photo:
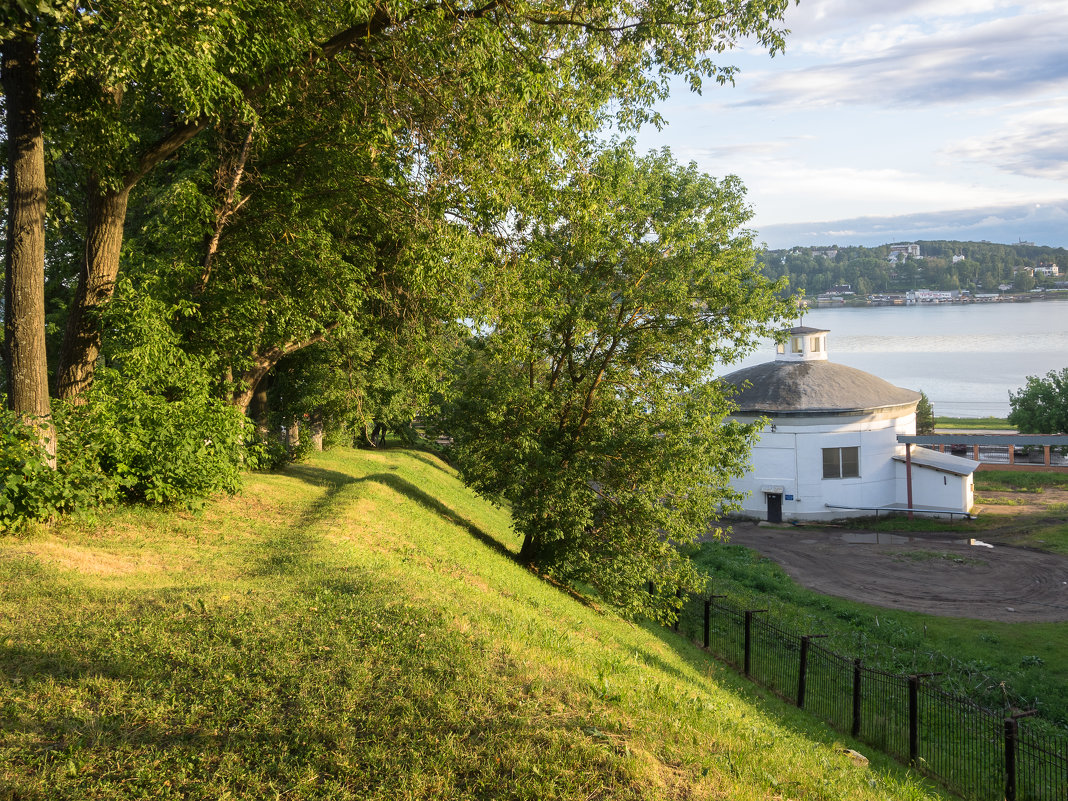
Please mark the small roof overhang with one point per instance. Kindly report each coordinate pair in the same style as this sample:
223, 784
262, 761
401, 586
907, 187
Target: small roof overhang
945, 462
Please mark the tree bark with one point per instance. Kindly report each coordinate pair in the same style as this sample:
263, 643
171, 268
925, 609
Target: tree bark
96, 283
250, 380
261, 411
27, 193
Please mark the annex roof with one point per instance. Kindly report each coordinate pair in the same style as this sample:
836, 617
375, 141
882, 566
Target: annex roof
946, 462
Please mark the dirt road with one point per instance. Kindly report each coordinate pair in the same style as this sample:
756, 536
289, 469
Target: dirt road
935, 574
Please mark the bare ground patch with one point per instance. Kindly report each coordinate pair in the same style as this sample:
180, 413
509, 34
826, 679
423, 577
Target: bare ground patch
937, 574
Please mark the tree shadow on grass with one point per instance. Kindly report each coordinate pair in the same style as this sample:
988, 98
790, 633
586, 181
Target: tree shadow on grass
287, 549
425, 458
427, 501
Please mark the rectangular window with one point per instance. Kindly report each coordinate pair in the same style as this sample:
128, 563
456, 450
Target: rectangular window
797, 345
841, 462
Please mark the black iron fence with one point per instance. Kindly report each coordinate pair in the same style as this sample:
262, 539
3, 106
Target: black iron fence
974, 751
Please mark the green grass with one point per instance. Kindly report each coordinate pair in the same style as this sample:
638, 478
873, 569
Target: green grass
974, 655
357, 627
1000, 501
1021, 481
973, 423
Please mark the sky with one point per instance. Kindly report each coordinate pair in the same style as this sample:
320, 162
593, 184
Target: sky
892, 120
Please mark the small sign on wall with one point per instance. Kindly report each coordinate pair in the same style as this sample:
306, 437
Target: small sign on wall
789, 497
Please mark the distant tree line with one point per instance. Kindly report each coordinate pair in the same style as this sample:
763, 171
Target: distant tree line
985, 266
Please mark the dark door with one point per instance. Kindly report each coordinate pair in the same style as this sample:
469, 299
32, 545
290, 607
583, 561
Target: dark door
774, 507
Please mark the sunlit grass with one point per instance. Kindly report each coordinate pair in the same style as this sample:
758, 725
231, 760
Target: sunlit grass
973, 423
356, 627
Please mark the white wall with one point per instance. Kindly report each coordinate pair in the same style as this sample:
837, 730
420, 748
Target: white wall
791, 457
934, 489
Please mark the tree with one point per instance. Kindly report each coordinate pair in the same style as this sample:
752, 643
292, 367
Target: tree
1041, 405
587, 403
24, 353
135, 81
1023, 282
924, 415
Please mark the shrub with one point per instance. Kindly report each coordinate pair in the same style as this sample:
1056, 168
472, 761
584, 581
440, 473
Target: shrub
152, 418
30, 490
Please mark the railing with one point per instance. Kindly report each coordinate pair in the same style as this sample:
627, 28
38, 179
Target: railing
974, 751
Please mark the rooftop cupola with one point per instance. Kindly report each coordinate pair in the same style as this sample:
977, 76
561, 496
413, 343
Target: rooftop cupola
804, 344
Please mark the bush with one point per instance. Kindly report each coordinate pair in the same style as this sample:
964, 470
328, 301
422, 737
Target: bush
152, 418
33, 491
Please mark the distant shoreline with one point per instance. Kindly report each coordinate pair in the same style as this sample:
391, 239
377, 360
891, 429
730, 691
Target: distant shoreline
898, 299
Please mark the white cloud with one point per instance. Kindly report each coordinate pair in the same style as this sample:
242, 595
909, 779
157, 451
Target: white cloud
1034, 144
899, 64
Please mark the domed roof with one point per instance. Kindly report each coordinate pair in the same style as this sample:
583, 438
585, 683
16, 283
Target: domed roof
813, 387
801, 381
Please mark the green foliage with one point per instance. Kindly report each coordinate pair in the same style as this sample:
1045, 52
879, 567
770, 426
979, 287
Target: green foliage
151, 418
587, 403
29, 486
1041, 405
925, 420
31, 490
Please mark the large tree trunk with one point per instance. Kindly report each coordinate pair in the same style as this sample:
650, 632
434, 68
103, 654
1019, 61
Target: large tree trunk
27, 193
247, 383
260, 411
96, 283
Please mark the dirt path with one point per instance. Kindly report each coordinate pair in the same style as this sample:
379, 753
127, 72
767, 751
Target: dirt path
935, 574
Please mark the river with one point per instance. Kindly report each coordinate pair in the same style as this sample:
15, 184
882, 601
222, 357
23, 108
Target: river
965, 357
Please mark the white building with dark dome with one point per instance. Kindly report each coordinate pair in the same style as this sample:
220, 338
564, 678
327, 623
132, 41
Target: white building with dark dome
829, 447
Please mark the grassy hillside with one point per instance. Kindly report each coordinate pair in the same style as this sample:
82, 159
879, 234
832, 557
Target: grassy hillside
356, 628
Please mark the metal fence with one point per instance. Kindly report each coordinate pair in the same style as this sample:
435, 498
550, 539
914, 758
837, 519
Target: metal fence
974, 751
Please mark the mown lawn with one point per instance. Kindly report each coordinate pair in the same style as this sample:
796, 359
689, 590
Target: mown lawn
973, 424
356, 627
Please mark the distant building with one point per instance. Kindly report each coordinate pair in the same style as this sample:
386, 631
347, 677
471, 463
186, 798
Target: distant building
1047, 268
828, 253
931, 296
909, 249
829, 448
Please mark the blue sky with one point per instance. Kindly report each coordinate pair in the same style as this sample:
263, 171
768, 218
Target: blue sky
893, 119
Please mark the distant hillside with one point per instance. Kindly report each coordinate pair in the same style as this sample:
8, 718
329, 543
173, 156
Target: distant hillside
356, 627
978, 267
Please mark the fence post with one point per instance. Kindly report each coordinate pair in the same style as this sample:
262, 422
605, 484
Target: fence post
914, 718
802, 671
1012, 746
1012, 731
856, 697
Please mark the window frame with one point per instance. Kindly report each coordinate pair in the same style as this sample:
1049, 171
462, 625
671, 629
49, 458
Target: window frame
835, 462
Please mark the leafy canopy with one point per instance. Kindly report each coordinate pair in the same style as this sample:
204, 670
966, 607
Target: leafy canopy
1041, 405
588, 403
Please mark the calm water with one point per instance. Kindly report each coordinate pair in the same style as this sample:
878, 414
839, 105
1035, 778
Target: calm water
966, 358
